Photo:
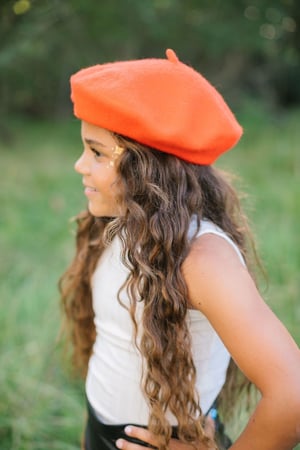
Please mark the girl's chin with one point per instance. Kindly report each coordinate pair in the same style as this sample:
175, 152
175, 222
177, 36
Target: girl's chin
97, 212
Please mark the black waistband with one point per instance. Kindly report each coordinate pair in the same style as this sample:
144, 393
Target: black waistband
114, 432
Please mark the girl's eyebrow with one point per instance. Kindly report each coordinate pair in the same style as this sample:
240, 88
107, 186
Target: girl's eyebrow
93, 142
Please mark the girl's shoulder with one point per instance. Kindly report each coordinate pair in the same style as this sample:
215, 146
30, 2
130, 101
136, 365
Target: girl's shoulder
214, 268
208, 227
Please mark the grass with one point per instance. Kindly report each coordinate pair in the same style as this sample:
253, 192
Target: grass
268, 162
41, 408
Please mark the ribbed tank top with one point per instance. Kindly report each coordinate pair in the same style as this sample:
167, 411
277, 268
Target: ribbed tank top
113, 384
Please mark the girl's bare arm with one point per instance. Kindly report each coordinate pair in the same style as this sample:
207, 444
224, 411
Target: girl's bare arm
221, 287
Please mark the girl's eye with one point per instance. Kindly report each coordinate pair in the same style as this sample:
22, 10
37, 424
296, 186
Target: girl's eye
96, 153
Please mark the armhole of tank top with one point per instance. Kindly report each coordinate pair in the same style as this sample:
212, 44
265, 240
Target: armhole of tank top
223, 235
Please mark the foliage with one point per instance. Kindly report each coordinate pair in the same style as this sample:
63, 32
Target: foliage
242, 45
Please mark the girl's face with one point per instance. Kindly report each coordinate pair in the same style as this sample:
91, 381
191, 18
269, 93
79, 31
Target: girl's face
97, 167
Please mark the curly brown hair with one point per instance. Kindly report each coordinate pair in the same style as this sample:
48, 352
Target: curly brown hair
159, 194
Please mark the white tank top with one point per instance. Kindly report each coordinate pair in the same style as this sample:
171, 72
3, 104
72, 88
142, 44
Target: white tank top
114, 373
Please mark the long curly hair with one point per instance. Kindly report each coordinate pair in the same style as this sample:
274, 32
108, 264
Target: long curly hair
159, 195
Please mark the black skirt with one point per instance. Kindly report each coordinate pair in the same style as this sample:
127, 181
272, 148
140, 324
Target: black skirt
99, 436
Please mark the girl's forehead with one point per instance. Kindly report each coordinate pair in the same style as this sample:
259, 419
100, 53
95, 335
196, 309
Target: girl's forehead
97, 135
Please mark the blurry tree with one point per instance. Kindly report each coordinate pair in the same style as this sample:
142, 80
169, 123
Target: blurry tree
243, 46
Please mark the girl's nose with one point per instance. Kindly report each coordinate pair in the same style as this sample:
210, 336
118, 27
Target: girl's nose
81, 165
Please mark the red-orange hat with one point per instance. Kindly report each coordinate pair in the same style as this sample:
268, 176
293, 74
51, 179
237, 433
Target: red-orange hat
162, 103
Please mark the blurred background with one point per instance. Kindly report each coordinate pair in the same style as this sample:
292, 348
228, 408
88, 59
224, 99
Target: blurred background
249, 49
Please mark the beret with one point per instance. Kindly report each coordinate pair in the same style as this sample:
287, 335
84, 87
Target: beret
162, 103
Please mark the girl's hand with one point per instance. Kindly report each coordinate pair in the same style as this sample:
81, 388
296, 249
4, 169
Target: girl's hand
147, 437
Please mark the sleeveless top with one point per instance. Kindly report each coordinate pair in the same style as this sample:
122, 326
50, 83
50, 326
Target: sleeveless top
113, 384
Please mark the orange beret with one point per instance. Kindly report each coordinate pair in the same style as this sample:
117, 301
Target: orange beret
162, 103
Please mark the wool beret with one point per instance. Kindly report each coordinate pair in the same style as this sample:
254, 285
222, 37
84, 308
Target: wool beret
162, 103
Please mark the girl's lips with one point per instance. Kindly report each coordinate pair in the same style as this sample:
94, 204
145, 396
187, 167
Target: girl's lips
90, 191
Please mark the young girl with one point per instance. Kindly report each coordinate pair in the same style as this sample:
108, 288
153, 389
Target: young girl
159, 296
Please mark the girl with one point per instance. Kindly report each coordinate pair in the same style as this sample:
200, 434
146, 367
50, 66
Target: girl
159, 295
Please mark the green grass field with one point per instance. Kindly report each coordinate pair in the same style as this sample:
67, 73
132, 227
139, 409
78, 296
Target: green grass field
41, 408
